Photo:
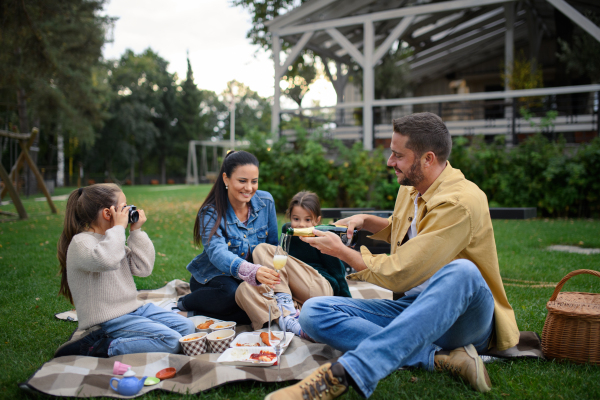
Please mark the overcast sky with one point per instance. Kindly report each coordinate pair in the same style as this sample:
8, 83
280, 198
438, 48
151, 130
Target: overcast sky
215, 35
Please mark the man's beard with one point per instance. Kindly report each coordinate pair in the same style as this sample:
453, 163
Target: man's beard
414, 175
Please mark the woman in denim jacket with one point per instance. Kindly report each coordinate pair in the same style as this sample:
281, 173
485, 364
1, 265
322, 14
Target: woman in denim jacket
232, 221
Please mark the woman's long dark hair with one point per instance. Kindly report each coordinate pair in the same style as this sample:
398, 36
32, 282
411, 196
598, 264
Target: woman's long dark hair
217, 197
83, 208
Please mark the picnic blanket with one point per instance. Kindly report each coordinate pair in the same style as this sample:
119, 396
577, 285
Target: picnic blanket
77, 376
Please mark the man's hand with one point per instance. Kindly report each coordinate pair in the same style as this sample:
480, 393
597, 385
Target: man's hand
353, 222
331, 244
326, 242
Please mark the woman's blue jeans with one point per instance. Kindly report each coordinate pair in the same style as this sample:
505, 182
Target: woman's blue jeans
149, 329
380, 336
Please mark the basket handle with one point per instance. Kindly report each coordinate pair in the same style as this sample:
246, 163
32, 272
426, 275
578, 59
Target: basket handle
569, 276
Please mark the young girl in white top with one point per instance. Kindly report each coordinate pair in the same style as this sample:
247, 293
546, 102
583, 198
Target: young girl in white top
97, 268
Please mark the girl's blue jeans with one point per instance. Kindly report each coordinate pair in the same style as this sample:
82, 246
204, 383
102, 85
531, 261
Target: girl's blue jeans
149, 329
380, 336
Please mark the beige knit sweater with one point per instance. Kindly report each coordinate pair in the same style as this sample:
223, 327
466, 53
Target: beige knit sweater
100, 271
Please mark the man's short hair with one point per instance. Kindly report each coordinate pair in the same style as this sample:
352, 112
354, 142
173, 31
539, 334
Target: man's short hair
426, 132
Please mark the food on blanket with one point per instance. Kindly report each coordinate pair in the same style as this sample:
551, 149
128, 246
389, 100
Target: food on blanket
166, 373
264, 336
206, 324
264, 356
222, 325
240, 354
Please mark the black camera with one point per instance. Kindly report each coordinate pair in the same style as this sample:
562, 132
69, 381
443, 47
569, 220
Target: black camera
134, 215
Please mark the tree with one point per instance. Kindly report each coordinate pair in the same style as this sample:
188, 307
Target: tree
299, 78
582, 54
261, 12
252, 112
188, 116
143, 114
49, 52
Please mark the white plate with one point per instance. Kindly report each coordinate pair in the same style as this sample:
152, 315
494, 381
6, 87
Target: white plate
200, 319
246, 339
228, 357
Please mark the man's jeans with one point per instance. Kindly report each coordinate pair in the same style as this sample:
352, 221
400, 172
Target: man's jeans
149, 329
380, 336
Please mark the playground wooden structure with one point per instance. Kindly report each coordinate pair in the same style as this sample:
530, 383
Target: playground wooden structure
25, 141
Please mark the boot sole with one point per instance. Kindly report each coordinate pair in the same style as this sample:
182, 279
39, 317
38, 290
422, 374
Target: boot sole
483, 383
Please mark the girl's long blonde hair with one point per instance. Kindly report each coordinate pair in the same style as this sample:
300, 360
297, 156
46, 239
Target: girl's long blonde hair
83, 208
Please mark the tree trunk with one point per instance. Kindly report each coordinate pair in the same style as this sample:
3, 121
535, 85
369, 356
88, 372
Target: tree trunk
132, 170
24, 128
32, 187
60, 158
141, 168
163, 171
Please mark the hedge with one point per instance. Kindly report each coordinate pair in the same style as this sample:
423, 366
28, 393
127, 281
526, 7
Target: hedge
558, 180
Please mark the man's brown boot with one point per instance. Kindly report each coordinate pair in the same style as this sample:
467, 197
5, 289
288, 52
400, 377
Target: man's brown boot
326, 382
466, 363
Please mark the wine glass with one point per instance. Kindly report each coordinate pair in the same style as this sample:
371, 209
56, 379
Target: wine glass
279, 261
278, 353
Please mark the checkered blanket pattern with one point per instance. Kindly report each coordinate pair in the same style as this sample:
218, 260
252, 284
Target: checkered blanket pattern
77, 376
219, 346
195, 347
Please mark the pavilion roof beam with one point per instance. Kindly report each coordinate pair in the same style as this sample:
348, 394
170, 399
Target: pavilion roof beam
459, 24
464, 37
397, 32
297, 14
298, 47
576, 17
341, 9
465, 55
427, 20
352, 33
480, 27
348, 46
320, 50
355, 38
461, 46
390, 14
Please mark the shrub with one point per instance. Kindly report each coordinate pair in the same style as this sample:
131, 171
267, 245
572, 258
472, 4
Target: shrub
352, 178
537, 173
560, 182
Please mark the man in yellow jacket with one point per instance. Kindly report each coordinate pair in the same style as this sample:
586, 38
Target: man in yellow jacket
443, 258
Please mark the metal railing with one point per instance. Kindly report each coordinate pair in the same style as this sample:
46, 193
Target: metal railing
575, 111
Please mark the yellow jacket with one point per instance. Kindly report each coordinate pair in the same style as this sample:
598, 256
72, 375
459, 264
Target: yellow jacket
453, 222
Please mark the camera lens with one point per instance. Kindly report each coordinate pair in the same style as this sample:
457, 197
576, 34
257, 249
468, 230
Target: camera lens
134, 215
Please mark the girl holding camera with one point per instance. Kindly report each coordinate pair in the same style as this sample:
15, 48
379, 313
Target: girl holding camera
97, 270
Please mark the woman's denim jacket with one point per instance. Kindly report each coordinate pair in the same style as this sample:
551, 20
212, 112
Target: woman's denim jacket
224, 254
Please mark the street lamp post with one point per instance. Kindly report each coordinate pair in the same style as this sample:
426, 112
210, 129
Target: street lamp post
232, 123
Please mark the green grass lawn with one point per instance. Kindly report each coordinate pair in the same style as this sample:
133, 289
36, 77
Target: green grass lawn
30, 334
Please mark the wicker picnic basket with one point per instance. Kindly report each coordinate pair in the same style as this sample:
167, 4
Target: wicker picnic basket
572, 327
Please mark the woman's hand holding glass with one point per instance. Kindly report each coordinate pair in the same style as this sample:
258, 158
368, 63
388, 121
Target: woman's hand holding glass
267, 276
